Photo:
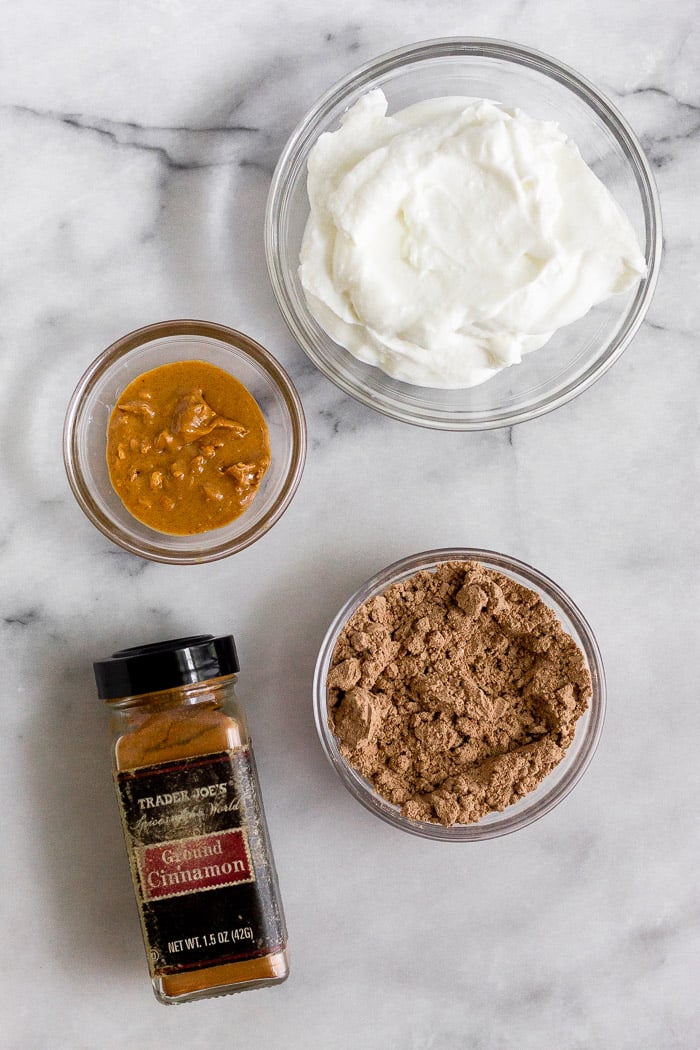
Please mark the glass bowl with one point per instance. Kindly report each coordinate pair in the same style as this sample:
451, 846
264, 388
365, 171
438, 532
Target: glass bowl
545, 89
85, 436
554, 787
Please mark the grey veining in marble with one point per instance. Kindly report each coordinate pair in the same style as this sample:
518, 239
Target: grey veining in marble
137, 141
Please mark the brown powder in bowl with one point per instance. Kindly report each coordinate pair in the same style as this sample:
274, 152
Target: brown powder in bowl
455, 692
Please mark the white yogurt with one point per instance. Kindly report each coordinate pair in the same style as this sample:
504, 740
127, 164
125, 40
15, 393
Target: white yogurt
446, 241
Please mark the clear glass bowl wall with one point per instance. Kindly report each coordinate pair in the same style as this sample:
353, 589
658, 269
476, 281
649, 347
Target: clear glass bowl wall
562, 779
517, 77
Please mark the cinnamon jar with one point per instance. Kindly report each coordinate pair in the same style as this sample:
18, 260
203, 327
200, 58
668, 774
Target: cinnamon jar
193, 820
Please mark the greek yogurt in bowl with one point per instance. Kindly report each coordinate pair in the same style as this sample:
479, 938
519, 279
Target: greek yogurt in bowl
519, 81
452, 237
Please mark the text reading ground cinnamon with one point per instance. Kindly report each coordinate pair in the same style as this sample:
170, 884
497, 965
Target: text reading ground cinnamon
456, 692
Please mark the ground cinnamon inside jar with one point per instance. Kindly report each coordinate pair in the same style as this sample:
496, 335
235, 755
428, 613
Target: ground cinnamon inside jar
193, 821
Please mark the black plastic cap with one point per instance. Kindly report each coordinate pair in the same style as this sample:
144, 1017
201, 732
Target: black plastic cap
165, 665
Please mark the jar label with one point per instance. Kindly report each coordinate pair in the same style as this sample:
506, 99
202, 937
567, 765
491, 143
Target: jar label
199, 856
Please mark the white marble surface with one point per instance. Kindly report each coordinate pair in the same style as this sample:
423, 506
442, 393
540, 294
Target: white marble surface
137, 140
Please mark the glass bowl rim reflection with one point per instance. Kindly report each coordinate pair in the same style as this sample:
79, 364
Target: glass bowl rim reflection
210, 549
295, 311
566, 774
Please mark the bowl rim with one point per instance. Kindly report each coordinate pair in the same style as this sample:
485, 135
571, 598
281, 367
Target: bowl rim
140, 337
494, 825
305, 133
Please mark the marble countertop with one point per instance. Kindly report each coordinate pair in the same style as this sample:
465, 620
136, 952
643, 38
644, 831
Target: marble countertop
137, 141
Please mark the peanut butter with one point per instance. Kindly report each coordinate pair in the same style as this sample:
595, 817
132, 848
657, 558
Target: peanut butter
187, 448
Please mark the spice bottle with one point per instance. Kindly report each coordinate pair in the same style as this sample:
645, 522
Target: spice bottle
193, 820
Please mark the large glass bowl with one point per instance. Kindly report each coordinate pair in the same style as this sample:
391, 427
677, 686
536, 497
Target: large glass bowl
545, 89
85, 436
563, 777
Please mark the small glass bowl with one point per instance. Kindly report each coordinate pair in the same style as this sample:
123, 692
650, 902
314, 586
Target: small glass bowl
85, 436
515, 76
553, 788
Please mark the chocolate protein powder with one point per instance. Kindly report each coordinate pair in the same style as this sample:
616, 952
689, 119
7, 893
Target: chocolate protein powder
455, 692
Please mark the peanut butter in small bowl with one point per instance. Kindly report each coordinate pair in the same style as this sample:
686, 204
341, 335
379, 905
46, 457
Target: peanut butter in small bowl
184, 442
